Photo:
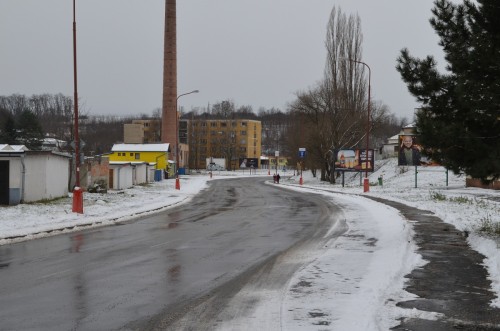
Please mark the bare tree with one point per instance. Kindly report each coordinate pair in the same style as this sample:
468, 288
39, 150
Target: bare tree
335, 109
223, 109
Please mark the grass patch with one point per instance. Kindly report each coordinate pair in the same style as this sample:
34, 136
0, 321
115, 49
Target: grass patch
45, 201
489, 227
481, 203
438, 196
461, 200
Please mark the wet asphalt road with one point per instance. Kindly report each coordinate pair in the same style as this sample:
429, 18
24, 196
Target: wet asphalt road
124, 276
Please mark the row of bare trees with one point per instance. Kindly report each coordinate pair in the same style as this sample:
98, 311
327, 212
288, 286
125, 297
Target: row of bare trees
53, 114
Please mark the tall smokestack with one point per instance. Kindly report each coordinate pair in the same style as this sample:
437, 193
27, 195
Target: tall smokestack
169, 111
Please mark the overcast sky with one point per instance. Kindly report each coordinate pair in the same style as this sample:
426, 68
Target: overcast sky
254, 52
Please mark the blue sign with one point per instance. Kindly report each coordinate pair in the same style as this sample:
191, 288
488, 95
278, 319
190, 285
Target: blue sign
302, 154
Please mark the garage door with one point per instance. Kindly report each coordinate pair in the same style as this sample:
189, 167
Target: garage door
4, 182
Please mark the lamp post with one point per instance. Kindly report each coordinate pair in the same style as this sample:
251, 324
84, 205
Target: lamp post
177, 181
77, 191
366, 184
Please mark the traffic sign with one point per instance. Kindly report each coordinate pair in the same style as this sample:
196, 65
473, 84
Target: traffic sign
73, 144
302, 153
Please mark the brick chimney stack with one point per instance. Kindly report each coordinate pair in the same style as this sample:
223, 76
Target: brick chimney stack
169, 111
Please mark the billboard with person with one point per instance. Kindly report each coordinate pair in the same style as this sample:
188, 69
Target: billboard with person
410, 152
252, 163
354, 160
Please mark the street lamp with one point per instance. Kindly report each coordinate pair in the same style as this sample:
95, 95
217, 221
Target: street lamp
177, 182
366, 183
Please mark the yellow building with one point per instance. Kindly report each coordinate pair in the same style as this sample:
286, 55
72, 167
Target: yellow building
156, 154
235, 140
282, 162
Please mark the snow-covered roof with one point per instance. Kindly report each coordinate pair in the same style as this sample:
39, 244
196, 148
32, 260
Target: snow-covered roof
127, 162
13, 148
141, 147
19, 147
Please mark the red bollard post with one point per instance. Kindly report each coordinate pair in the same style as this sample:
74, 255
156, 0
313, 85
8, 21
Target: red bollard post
78, 200
366, 185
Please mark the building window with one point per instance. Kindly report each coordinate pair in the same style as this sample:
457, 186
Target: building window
213, 124
243, 133
223, 124
203, 124
131, 154
137, 156
243, 123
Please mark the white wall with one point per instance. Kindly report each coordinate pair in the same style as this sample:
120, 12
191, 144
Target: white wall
141, 173
151, 173
58, 170
122, 176
46, 177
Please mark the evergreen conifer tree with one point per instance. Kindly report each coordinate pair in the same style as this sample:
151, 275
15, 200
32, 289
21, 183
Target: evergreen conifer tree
459, 121
8, 134
30, 130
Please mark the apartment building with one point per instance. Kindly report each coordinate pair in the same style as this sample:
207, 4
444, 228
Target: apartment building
238, 141
142, 132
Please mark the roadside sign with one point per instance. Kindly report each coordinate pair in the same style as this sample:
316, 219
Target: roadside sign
302, 153
73, 144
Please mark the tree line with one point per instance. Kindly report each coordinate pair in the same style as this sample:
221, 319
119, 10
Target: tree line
27, 120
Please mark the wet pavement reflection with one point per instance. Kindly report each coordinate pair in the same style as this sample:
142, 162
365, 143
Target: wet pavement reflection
107, 277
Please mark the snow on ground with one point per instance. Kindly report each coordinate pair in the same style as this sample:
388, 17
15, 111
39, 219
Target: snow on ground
344, 284
355, 283
468, 209
36, 220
